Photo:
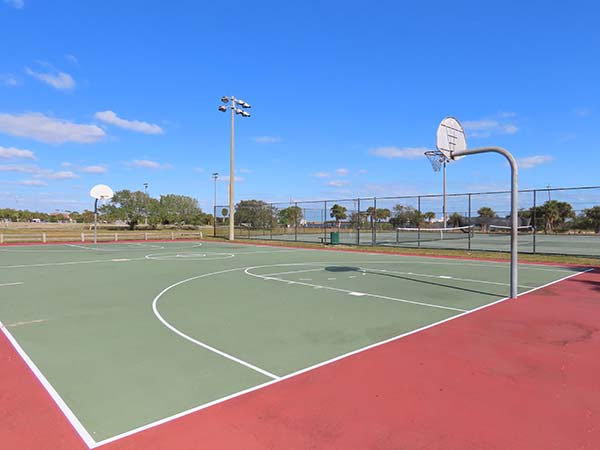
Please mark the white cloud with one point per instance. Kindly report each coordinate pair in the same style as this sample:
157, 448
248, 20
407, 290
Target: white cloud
529, 162
15, 3
86, 169
39, 172
487, 127
72, 58
61, 80
94, 169
148, 164
338, 183
39, 127
32, 183
111, 118
341, 172
18, 168
267, 139
321, 175
16, 153
397, 152
9, 80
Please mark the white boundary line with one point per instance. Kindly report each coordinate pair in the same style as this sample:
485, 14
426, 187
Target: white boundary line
199, 343
68, 263
73, 420
321, 364
346, 291
17, 283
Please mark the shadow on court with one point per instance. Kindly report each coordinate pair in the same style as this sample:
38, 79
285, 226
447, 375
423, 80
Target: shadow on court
413, 279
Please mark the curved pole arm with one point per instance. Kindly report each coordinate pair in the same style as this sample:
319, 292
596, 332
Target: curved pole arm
514, 208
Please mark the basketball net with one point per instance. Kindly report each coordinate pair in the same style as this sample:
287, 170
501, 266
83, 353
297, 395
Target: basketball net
437, 159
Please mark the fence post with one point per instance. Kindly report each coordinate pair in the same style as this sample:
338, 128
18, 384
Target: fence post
296, 221
145, 236
116, 237
325, 222
172, 235
359, 218
44, 239
82, 236
373, 224
534, 217
1, 238
215, 220
419, 221
273, 221
469, 223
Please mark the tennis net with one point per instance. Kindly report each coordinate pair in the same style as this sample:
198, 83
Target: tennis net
408, 235
503, 230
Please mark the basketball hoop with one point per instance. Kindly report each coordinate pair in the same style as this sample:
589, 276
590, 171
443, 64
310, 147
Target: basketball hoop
437, 159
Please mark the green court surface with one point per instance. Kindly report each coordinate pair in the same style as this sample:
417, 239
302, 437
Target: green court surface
129, 334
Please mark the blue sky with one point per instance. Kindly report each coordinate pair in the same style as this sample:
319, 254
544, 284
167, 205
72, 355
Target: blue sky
345, 96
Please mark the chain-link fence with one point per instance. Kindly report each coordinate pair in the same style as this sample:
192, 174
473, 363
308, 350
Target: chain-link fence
552, 220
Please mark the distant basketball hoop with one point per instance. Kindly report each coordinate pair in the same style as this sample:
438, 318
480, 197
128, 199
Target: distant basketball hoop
99, 192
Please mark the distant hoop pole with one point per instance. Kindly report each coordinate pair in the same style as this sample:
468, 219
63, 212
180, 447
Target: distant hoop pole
95, 221
514, 208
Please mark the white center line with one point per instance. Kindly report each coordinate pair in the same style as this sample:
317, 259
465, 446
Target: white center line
17, 283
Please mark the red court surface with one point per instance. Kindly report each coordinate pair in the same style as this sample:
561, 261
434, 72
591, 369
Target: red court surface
522, 374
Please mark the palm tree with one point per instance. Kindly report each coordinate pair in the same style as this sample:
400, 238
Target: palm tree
338, 212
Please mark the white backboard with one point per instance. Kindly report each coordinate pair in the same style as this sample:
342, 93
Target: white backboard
451, 137
101, 192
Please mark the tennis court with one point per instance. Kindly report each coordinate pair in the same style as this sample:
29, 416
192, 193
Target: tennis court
558, 244
128, 336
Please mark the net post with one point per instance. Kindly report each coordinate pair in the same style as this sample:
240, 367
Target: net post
418, 221
534, 217
469, 223
359, 218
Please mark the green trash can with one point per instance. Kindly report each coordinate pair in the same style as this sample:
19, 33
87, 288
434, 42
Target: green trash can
334, 237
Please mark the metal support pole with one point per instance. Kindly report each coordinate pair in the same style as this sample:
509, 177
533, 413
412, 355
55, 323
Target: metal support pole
96, 221
514, 209
444, 210
231, 176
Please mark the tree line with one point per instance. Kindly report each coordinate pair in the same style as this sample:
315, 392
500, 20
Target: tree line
137, 207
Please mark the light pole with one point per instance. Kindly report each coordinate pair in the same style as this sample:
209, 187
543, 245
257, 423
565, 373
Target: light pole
215, 177
230, 103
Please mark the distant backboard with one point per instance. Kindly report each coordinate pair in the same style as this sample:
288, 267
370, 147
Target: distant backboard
101, 192
451, 137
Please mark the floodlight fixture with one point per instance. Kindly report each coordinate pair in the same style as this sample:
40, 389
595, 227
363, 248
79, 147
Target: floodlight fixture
231, 102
